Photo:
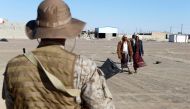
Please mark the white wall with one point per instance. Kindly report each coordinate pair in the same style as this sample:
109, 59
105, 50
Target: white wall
107, 30
178, 38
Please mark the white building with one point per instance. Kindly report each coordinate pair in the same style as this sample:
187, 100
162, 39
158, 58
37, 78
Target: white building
106, 32
2, 21
178, 38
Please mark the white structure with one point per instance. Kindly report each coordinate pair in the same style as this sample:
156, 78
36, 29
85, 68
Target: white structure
105, 32
178, 38
2, 21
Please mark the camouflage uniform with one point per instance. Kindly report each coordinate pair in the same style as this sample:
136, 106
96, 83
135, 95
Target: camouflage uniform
96, 94
90, 80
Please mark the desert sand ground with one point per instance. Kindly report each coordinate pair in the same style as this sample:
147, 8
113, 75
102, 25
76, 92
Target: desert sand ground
156, 86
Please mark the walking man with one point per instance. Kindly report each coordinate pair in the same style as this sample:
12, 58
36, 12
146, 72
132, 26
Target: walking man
124, 51
138, 52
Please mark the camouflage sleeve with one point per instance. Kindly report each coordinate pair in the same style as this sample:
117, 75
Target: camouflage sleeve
6, 94
95, 93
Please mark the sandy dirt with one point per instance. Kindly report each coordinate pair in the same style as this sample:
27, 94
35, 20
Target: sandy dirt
156, 86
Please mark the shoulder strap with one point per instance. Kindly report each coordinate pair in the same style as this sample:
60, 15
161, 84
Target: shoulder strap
54, 80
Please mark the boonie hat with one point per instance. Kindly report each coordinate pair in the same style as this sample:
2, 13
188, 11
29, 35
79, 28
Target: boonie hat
54, 20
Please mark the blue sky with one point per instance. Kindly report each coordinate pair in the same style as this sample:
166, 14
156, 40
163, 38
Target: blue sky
127, 15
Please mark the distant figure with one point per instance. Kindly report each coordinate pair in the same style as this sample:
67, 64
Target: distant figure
51, 77
124, 51
138, 52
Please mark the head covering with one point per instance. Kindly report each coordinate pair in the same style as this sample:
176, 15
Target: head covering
134, 36
54, 21
125, 35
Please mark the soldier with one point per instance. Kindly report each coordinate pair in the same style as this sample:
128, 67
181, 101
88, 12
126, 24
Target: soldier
51, 77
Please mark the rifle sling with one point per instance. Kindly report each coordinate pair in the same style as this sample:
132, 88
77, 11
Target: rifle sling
54, 80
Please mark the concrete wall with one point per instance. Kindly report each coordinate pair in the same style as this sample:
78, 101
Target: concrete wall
158, 36
13, 31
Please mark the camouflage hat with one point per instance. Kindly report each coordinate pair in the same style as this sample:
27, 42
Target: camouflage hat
54, 20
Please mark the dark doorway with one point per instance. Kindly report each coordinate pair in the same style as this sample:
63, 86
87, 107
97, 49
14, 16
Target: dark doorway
102, 35
114, 34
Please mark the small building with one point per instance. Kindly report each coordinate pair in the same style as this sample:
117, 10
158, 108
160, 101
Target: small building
178, 38
106, 32
157, 36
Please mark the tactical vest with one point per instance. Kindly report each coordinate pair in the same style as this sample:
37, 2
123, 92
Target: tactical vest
31, 88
